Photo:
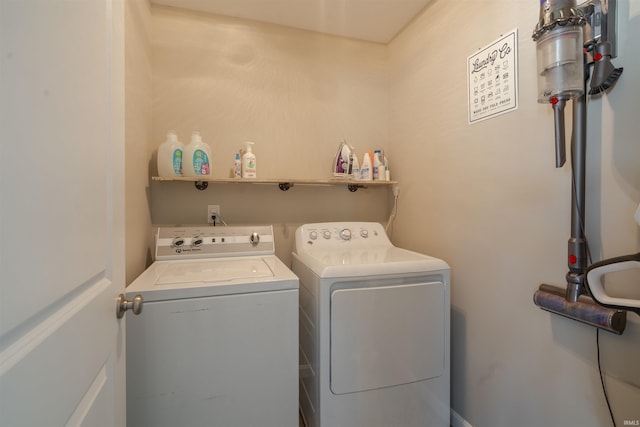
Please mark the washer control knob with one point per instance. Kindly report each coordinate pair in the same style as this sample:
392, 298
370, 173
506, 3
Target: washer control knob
364, 233
254, 239
177, 242
313, 235
326, 234
345, 234
196, 241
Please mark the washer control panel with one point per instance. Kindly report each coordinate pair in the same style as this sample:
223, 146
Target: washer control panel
340, 233
210, 242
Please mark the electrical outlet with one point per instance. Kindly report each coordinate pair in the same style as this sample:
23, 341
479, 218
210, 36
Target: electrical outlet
213, 214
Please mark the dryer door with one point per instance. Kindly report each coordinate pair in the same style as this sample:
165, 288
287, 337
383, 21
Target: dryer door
386, 336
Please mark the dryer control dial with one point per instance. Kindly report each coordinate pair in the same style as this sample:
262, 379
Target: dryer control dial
345, 234
326, 234
364, 232
177, 242
313, 235
196, 241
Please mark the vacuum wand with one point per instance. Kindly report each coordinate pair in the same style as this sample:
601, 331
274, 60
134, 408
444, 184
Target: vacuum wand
577, 260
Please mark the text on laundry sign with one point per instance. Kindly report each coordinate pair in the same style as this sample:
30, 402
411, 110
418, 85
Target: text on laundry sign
481, 64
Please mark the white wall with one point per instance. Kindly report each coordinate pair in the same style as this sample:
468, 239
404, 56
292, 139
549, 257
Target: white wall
487, 198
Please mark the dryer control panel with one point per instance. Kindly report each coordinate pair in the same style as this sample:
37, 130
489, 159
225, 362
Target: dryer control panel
338, 234
211, 242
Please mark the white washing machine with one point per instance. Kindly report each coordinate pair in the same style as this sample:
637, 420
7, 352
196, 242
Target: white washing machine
374, 329
216, 343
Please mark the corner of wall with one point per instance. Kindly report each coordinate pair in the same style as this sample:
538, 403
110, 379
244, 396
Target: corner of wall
137, 134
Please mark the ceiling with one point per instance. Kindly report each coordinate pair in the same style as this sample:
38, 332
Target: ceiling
372, 20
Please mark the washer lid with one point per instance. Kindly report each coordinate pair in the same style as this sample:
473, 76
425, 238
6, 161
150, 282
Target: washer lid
177, 279
211, 271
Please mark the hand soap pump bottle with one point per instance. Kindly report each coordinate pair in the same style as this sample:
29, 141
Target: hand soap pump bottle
170, 156
196, 157
248, 161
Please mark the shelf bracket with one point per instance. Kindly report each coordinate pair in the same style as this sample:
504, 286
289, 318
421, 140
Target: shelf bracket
354, 187
201, 185
285, 186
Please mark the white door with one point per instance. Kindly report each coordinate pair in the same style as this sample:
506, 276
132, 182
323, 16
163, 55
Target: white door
61, 212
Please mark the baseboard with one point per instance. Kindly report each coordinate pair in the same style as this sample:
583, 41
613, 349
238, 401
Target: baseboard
458, 421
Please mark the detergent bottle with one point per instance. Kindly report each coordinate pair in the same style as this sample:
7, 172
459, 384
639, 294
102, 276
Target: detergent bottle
196, 157
355, 167
170, 156
366, 169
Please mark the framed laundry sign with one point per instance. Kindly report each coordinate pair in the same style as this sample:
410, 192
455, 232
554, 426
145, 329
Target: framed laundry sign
492, 74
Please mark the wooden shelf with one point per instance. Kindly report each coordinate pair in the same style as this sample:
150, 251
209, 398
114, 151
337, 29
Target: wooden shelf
284, 184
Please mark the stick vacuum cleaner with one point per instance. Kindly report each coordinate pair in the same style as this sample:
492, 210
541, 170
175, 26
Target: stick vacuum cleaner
570, 39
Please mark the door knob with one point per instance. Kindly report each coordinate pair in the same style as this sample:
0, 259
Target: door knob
122, 305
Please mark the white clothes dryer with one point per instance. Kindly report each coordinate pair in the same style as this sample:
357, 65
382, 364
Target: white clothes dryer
374, 329
216, 343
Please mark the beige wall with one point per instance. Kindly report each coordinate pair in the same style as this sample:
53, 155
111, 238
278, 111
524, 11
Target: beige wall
137, 135
296, 94
487, 198
484, 197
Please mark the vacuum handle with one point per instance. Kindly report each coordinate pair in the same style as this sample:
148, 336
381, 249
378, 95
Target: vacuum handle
615, 260
594, 275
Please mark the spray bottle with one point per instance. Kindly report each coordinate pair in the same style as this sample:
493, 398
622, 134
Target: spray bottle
237, 167
248, 161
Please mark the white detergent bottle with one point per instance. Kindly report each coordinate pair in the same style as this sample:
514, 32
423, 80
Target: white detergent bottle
248, 161
366, 169
170, 156
196, 159
355, 168
377, 161
387, 174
